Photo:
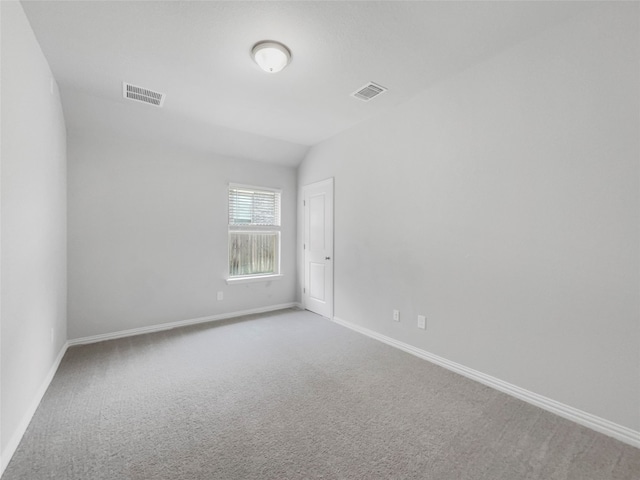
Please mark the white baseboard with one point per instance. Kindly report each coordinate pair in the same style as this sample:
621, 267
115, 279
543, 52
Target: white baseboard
588, 420
15, 439
180, 323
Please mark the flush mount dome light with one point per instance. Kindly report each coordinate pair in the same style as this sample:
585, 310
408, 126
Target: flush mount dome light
271, 56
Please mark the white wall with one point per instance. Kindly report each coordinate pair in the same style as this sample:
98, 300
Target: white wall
503, 204
33, 185
148, 234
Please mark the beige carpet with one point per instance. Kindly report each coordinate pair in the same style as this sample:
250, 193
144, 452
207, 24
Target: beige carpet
290, 396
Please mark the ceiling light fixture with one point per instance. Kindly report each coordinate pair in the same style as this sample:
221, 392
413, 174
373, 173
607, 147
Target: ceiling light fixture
271, 56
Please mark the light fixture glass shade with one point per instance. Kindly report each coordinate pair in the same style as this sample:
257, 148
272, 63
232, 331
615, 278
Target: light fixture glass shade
271, 56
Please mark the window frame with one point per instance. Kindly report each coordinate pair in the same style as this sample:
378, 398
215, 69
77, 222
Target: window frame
251, 228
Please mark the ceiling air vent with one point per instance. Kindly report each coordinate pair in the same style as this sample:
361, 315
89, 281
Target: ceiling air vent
143, 95
368, 91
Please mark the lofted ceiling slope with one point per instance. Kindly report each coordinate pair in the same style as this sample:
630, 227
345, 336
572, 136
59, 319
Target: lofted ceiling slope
217, 98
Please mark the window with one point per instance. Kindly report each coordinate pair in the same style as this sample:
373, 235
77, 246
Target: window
254, 232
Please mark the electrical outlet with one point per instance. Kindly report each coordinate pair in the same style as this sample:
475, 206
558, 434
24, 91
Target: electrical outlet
396, 315
220, 296
422, 322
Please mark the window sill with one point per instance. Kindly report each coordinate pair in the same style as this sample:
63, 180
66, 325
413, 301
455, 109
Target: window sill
254, 279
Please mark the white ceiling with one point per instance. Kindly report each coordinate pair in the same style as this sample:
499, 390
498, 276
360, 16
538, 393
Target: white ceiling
217, 98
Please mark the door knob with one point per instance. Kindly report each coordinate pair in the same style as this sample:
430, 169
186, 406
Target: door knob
327, 258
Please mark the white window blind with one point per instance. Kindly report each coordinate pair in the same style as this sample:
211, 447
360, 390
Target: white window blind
253, 207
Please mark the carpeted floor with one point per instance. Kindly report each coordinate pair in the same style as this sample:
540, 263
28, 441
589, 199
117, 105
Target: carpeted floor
287, 396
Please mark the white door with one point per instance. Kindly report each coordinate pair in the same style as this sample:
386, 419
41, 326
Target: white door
318, 248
